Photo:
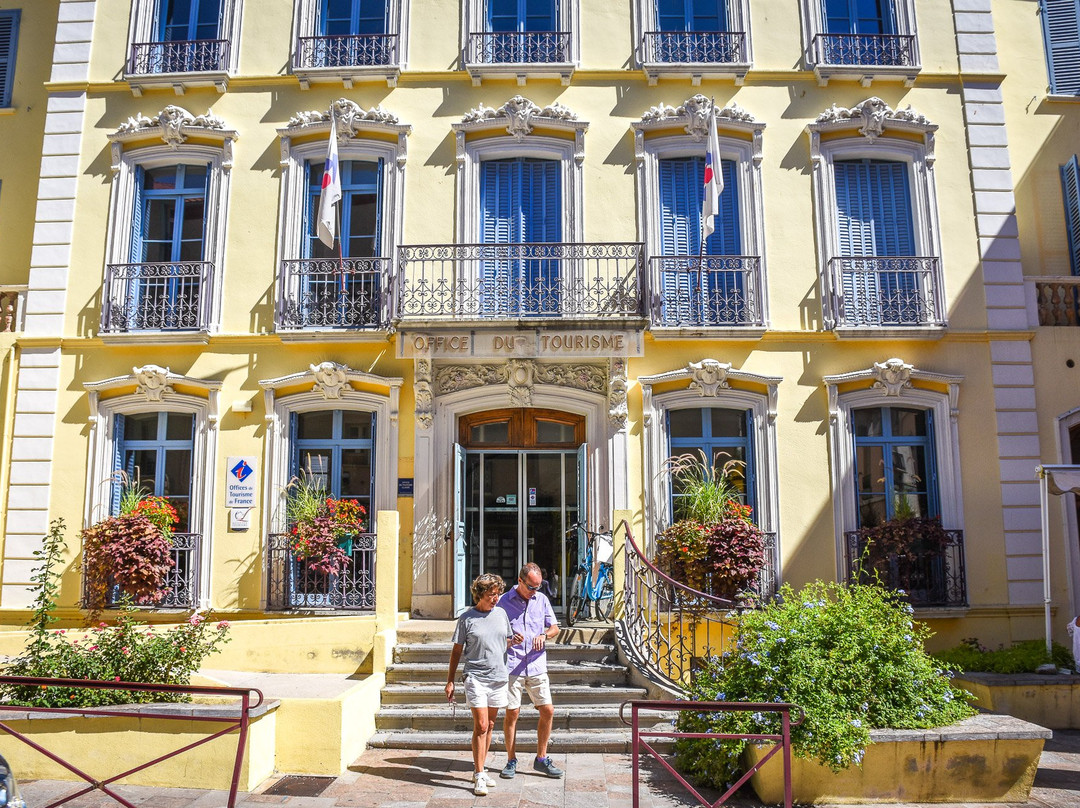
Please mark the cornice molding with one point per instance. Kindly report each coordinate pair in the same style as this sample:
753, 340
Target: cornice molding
711, 378
155, 385
333, 381
894, 378
693, 115
173, 125
353, 122
520, 116
872, 119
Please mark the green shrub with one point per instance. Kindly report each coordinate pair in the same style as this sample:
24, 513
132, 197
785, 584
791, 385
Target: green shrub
1020, 657
850, 656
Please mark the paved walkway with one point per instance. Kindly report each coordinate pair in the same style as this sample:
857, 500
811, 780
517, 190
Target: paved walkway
391, 778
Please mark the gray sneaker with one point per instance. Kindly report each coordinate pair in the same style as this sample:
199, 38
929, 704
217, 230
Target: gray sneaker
546, 766
509, 770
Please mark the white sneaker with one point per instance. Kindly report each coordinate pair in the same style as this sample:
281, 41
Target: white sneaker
480, 786
487, 779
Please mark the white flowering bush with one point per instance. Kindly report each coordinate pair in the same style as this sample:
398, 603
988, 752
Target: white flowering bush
849, 655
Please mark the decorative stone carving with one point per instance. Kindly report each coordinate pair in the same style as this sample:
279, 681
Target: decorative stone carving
520, 376
521, 114
173, 122
892, 376
423, 394
592, 378
875, 116
349, 116
709, 376
695, 111
617, 407
152, 381
330, 379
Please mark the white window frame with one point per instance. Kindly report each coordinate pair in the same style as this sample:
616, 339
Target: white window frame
645, 20
474, 21
102, 446
886, 391
1065, 422
141, 29
919, 159
814, 23
126, 161
305, 23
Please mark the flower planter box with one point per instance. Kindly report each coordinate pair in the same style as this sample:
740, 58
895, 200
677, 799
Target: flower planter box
1049, 701
987, 758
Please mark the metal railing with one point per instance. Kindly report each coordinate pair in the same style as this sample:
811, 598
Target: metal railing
180, 589
696, 47
12, 308
168, 296
886, 291
493, 281
240, 724
642, 739
353, 50
518, 47
292, 584
1058, 300
183, 56
928, 576
334, 293
712, 290
870, 50
667, 628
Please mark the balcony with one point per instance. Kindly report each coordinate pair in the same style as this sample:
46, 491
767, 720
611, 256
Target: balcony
333, 293
884, 294
535, 54
347, 58
158, 297
181, 587
713, 54
865, 57
1058, 300
928, 578
12, 308
186, 63
292, 585
558, 281
707, 292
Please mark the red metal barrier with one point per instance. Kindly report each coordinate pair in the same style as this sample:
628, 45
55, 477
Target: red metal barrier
240, 723
642, 738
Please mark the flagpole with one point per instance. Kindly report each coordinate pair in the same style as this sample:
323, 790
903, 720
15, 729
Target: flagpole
716, 167
337, 211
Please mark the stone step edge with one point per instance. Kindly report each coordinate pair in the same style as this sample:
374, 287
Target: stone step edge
553, 665
551, 646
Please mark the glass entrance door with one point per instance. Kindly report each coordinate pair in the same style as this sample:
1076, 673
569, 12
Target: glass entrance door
519, 505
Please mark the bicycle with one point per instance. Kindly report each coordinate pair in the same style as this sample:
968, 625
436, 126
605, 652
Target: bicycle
587, 588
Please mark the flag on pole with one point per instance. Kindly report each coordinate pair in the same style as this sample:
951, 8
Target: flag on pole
331, 190
714, 181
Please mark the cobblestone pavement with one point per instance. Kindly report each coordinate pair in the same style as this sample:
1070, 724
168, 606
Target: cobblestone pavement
391, 778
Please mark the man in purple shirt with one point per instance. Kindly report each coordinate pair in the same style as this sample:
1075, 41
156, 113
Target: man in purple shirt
532, 617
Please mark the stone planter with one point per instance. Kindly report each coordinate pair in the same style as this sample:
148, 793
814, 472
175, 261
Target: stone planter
1049, 701
987, 758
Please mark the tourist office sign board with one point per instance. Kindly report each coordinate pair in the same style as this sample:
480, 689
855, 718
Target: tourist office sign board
520, 344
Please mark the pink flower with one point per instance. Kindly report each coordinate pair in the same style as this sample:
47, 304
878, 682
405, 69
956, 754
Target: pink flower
125, 651
182, 649
195, 619
224, 624
116, 678
92, 648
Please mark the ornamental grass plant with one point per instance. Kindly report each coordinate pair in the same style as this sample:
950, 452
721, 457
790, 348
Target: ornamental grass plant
971, 656
850, 656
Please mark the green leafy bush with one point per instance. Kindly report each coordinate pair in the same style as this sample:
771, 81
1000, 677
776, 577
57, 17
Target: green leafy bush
1020, 657
130, 651
850, 655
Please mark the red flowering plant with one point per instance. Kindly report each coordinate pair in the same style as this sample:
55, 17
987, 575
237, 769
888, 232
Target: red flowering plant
321, 527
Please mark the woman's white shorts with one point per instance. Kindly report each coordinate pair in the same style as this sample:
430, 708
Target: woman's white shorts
482, 694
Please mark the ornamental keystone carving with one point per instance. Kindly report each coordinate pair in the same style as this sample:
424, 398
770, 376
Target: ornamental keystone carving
617, 407
521, 113
349, 116
695, 111
709, 376
173, 122
875, 116
423, 394
892, 376
330, 379
520, 377
152, 381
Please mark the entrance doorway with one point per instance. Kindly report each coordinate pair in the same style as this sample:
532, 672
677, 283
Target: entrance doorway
520, 487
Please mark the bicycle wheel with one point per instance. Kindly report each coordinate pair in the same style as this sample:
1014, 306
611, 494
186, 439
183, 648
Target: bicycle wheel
576, 602
605, 603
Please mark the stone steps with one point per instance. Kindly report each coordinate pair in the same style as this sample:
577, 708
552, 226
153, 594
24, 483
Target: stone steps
421, 694
571, 673
594, 740
439, 652
440, 718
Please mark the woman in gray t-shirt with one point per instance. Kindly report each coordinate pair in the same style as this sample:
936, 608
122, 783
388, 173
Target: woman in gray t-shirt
483, 633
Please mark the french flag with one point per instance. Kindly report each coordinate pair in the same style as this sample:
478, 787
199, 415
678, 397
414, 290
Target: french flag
331, 190
714, 181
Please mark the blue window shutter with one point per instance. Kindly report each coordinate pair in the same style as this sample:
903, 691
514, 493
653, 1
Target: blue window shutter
677, 277
9, 40
1070, 189
541, 201
725, 239
118, 465
137, 222
889, 183
1061, 31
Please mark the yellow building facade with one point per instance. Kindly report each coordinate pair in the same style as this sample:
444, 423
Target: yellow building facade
518, 324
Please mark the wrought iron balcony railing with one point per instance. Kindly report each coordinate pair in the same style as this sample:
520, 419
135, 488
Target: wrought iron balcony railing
334, 293
157, 297
1058, 300
358, 50
181, 587
927, 576
518, 47
697, 47
191, 56
868, 50
498, 281
711, 290
892, 291
292, 584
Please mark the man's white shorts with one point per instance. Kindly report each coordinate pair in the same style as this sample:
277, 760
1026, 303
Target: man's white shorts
483, 694
539, 688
